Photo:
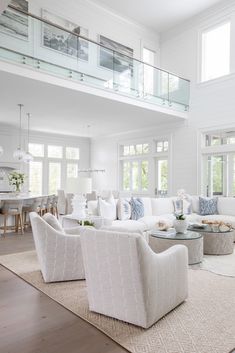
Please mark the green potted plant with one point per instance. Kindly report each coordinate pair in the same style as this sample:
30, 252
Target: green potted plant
86, 223
180, 223
17, 180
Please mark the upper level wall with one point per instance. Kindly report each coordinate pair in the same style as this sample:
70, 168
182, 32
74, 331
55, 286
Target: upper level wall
212, 102
100, 21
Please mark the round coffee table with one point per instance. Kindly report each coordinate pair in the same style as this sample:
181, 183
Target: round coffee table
216, 242
192, 240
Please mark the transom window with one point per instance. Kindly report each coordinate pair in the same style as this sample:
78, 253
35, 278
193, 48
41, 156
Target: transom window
216, 52
36, 149
162, 146
132, 150
223, 138
72, 153
55, 151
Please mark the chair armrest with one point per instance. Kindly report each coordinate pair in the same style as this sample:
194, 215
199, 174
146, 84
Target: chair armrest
173, 260
77, 230
73, 230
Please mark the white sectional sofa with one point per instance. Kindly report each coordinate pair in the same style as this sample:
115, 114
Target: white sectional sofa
156, 209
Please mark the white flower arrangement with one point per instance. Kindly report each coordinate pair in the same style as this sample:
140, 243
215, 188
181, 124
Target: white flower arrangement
16, 179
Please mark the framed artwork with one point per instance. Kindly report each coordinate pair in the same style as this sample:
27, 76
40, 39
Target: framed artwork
62, 41
119, 61
15, 23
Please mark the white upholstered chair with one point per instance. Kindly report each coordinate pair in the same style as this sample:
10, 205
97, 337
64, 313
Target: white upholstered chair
59, 253
126, 280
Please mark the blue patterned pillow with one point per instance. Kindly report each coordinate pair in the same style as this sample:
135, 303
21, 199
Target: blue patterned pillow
137, 208
208, 206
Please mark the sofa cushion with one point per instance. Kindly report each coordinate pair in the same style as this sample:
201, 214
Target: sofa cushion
123, 209
226, 205
208, 206
161, 206
130, 226
137, 208
195, 204
93, 207
147, 206
53, 222
151, 221
107, 209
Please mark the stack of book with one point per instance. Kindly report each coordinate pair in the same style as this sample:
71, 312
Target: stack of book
167, 233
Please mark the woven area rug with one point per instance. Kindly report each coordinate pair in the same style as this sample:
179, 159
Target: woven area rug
205, 323
222, 265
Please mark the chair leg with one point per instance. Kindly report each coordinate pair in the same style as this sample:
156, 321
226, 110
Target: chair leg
5, 225
56, 212
21, 224
16, 224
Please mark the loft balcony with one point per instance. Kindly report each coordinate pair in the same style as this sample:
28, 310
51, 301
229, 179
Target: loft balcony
82, 61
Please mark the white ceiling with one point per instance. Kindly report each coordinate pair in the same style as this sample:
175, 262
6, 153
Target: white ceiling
61, 110
160, 15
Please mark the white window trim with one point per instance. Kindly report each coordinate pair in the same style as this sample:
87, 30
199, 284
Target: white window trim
151, 157
205, 151
212, 25
46, 160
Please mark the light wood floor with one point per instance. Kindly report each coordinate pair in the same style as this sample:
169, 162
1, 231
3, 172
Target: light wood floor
31, 322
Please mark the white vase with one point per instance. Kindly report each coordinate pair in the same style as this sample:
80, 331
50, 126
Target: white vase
180, 225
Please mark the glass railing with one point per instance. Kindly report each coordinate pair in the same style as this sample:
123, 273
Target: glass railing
36, 43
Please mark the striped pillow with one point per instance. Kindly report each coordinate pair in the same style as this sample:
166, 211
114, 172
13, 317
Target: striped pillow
137, 208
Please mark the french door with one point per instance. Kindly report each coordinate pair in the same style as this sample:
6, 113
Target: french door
161, 177
216, 175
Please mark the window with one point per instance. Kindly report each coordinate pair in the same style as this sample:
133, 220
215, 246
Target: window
54, 177
216, 175
222, 138
126, 182
149, 58
37, 150
135, 175
233, 175
162, 176
55, 151
72, 170
162, 146
144, 175
35, 177
216, 52
72, 153
132, 150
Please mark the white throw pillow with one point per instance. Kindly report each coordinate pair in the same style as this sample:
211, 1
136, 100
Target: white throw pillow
123, 209
107, 209
53, 222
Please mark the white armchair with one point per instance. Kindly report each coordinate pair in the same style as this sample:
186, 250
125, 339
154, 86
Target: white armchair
59, 253
126, 280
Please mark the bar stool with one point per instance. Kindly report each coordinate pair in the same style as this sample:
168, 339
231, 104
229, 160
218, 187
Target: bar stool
43, 208
54, 206
12, 208
49, 203
33, 205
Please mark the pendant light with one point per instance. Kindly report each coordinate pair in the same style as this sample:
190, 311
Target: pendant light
19, 153
28, 156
